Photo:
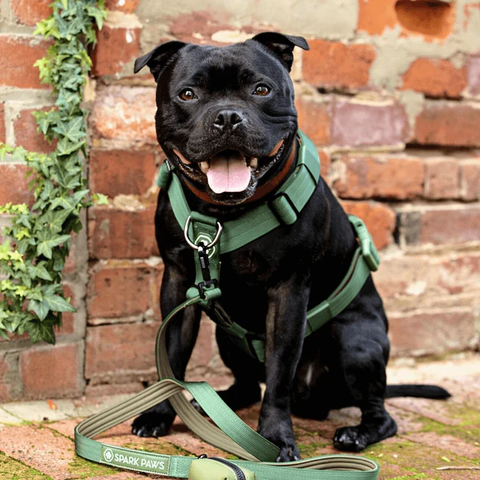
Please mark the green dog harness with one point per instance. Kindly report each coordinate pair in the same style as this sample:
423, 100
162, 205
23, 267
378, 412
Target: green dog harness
204, 233
209, 239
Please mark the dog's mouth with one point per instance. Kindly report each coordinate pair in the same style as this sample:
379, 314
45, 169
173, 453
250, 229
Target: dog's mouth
231, 171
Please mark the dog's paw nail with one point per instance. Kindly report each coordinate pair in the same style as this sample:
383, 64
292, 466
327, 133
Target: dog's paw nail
158, 431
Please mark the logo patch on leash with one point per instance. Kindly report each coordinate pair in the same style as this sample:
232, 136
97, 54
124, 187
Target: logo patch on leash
142, 462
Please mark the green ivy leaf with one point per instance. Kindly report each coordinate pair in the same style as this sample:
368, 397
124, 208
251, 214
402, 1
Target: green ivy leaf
73, 130
100, 199
40, 308
48, 240
40, 331
58, 304
65, 146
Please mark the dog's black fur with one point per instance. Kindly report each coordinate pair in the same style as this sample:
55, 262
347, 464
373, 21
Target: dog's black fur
268, 285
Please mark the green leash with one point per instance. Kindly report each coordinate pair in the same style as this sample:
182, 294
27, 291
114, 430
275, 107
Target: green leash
228, 432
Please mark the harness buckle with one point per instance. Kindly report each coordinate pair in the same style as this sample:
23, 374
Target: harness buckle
283, 208
205, 285
369, 251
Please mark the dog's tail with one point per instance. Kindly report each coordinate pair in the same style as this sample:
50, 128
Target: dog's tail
419, 391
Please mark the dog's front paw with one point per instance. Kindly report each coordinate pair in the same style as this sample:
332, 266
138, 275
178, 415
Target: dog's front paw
284, 439
350, 439
152, 424
288, 453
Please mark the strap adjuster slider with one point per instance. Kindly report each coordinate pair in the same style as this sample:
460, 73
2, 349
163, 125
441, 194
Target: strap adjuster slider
369, 251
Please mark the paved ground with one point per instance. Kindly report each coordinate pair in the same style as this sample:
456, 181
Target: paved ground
436, 440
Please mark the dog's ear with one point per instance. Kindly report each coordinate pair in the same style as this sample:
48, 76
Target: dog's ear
282, 45
158, 58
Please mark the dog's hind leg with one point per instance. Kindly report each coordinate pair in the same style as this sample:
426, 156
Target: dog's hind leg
362, 363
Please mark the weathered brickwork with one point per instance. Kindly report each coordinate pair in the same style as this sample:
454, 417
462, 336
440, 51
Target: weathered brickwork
389, 93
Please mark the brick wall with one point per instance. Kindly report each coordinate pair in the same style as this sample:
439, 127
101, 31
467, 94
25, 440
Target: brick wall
389, 92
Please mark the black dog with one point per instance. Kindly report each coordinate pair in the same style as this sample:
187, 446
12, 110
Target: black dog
234, 107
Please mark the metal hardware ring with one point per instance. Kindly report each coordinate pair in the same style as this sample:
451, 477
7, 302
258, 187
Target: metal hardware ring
196, 247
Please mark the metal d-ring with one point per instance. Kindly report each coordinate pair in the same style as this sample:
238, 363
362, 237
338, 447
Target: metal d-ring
210, 245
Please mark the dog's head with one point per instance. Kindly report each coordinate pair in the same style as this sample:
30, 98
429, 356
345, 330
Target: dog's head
226, 115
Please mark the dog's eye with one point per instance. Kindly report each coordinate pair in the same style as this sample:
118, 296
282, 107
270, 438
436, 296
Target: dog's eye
187, 95
261, 90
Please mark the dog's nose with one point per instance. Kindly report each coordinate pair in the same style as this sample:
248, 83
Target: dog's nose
228, 120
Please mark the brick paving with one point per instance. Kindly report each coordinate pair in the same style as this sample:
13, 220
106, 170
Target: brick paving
436, 440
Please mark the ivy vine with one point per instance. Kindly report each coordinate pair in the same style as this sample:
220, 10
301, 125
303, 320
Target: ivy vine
33, 256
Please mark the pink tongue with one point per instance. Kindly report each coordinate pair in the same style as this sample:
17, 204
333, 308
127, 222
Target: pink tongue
228, 173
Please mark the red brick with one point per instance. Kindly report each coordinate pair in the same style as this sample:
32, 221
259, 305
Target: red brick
380, 176
29, 13
430, 19
473, 73
117, 233
336, 65
200, 25
68, 319
126, 6
374, 16
115, 47
17, 59
450, 225
125, 113
52, 371
26, 134
325, 162
119, 291
2, 123
441, 178
314, 120
121, 351
429, 281
127, 172
448, 124
470, 179
436, 331
14, 184
379, 219
367, 124
435, 78
4, 384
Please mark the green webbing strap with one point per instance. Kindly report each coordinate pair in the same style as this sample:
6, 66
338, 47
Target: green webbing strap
233, 435
283, 207
364, 261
